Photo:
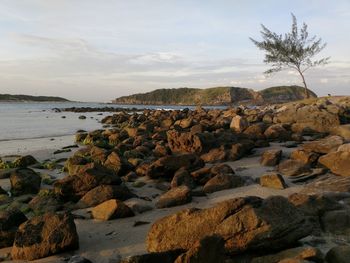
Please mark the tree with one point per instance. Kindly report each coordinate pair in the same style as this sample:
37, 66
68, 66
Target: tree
293, 50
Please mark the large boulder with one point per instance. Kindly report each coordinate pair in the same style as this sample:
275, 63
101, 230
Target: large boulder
246, 223
188, 142
111, 209
103, 193
239, 124
338, 254
223, 181
73, 187
9, 222
25, 181
45, 235
176, 196
338, 162
324, 145
168, 165
271, 157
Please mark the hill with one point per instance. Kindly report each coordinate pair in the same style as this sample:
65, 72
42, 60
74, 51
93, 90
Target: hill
215, 96
19, 98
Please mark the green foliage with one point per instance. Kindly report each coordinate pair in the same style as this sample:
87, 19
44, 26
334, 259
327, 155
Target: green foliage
293, 50
8, 97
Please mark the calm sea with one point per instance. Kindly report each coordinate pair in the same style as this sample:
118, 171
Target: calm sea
38, 120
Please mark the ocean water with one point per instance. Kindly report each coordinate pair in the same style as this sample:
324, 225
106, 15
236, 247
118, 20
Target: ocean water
31, 120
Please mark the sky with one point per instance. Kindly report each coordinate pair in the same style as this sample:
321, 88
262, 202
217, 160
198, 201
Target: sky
90, 50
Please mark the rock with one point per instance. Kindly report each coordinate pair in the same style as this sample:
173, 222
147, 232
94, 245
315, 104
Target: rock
9, 221
161, 257
256, 131
338, 162
304, 156
187, 142
2, 191
78, 259
338, 254
298, 253
45, 235
24, 161
45, 201
184, 123
292, 167
324, 146
111, 209
328, 183
271, 157
139, 206
246, 223
73, 187
82, 117
182, 177
168, 165
176, 196
336, 222
210, 249
277, 132
310, 118
343, 131
25, 181
103, 193
239, 124
223, 181
273, 180
215, 155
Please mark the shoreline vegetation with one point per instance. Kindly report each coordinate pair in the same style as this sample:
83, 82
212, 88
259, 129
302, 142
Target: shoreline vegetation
176, 186
29, 98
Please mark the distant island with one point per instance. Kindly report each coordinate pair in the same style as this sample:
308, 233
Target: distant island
216, 96
23, 98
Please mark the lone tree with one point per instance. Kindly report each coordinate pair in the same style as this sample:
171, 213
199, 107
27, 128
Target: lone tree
294, 50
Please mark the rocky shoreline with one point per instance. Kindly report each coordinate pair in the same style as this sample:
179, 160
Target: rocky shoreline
269, 184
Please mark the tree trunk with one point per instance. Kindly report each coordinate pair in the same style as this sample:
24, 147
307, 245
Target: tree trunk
307, 95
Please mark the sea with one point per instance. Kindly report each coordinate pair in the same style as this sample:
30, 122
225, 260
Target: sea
31, 120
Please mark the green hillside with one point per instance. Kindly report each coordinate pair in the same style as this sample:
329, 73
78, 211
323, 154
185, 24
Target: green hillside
8, 97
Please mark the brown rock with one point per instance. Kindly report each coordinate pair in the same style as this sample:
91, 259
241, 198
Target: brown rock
239, 124
336, 222
299, 253
223, 181
292, 167
328, 183
338, 162
182, 177
215, 155
304, 156
271, 157
248, 223
9, 222
25, 181
277, 132
161, 257
273, 180
210, 249
111, 209
176, 196
103, 193
324, 146
338, 254
45, 235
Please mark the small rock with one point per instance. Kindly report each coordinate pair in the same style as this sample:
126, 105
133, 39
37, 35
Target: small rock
111, 209
273, 180
176, 196
271, 157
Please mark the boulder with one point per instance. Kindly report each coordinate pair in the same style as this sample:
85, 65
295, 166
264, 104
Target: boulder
338, 254
182, 177
73, 187
45, 235
277, 132
223, 181
271, 157
292, 167
343, 131
111, 209
168, 165
215, 155
176, 196
45, 201
298, 253
273, 180
103, 193
304, 156
324, 145
338, 162
210, 249
328, 183
336, 222
239, 124
24, 161
25, 181
9, 221
156, 257
245, 223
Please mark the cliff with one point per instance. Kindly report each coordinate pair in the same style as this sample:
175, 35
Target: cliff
215, 96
